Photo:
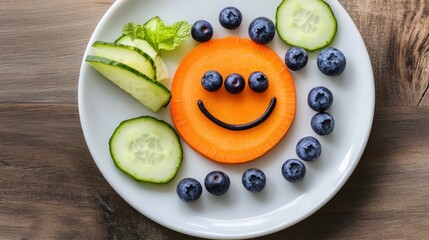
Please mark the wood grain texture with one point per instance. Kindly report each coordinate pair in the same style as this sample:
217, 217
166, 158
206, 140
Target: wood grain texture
50, 187
397, 37
42, 45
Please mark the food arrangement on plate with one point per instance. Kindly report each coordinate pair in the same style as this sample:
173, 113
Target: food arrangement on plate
219, 115
208, 87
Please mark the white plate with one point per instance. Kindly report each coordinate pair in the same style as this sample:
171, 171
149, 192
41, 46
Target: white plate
237, 214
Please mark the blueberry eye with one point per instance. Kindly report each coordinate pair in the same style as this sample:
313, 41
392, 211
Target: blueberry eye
258, 82
234, 83
212, 81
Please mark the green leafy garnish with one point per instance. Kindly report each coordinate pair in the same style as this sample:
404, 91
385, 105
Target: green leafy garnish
157, 34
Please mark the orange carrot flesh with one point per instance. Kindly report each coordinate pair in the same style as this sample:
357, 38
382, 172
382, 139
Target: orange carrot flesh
232, 55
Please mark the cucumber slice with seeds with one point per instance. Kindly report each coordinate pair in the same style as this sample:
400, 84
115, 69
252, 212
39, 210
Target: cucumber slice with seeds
309, 24
146, 149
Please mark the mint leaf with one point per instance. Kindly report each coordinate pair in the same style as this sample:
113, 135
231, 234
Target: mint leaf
157, 34
169, 37
133, 30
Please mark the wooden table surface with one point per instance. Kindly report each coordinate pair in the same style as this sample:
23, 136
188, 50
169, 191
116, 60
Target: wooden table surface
50, 187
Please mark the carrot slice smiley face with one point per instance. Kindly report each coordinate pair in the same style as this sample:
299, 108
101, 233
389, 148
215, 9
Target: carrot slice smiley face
232, 128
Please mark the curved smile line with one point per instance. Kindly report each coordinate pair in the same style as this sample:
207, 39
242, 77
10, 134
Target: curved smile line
238, 127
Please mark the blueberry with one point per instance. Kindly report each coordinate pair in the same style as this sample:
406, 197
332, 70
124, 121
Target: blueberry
320, 99
322, 123
258, 82
254, 180
212, 81
331, 61
308, 148
262, 30
202, 31
293, 170
296, 58
189, 189
234, 83
217, 183
230, 18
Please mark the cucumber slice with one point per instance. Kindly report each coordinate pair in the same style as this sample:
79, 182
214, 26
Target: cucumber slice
141, 44
162, 73
128, 55
149, 92
309, 24
126, 40
147, 149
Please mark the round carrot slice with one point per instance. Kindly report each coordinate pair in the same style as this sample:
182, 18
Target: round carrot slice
211, 139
